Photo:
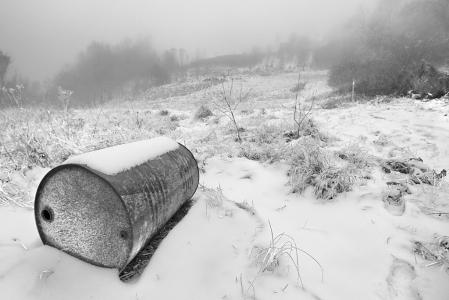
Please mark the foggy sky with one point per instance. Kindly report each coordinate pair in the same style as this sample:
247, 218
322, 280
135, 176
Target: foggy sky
43, 35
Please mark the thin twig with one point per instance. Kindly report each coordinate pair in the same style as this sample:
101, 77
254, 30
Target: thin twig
98, 118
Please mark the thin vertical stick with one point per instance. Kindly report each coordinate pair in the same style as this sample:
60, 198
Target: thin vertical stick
353, 84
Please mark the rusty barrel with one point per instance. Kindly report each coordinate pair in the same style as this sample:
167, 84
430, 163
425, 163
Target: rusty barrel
104, 206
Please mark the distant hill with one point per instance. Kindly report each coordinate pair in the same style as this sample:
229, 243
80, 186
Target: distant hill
233, 60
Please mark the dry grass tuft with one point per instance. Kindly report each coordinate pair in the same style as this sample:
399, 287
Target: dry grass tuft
269, 153
214, 197
12, 194
312, 166
164, 112
437, 252
246, 206
269, 257
203, 112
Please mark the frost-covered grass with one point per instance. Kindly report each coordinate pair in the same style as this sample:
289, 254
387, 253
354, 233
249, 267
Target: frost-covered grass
275, 217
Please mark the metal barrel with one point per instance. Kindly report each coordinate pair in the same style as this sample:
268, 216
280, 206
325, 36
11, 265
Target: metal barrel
105, 216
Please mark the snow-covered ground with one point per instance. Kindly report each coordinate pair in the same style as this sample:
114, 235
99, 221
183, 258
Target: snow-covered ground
356, 246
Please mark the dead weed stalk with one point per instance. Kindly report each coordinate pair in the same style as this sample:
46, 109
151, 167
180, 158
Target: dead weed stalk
301, 113
269, 257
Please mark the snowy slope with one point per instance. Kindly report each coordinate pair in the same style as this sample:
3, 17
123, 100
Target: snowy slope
364, 247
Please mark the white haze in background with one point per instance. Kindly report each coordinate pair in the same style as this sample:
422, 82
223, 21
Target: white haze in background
41, 36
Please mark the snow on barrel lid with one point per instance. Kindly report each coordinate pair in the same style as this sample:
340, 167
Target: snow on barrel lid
121, 158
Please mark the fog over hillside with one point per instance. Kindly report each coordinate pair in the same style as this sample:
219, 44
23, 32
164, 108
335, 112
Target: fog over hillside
42, 36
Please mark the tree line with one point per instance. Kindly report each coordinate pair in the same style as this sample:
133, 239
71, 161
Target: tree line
103, 71
394, 48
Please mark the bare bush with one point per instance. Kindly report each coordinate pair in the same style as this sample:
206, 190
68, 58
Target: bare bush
229, 98
203, 112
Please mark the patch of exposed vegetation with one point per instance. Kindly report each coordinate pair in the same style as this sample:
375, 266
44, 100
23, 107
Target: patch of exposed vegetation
202, 112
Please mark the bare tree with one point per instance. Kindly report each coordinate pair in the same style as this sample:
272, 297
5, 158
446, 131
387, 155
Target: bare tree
228, 99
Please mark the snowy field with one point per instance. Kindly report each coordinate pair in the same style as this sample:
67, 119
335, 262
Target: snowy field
255, 231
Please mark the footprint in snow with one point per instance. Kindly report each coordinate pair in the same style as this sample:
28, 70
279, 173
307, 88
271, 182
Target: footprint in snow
400, 281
